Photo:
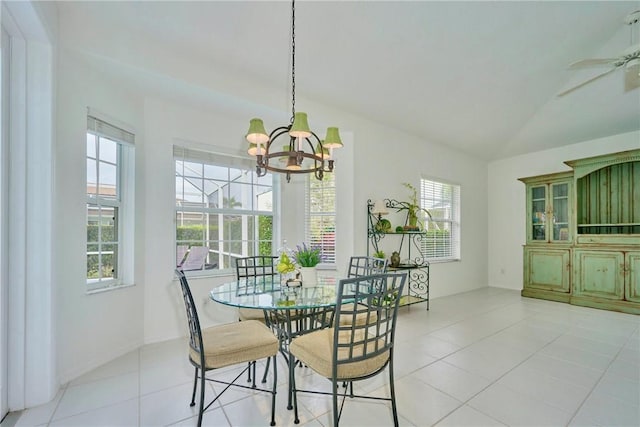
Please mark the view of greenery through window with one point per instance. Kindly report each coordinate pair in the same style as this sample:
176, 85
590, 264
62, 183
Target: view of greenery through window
103, 201
228, 210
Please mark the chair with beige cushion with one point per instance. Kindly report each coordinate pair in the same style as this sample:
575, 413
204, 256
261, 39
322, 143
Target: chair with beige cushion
358, 350
253, 267
225, 345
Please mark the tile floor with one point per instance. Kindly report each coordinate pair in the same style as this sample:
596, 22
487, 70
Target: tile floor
482, 358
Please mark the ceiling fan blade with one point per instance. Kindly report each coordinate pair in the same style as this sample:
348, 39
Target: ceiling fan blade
588, 63
586, 82
632, 75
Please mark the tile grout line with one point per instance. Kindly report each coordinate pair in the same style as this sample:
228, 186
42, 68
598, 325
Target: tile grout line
139, 386
64, 391
604, 372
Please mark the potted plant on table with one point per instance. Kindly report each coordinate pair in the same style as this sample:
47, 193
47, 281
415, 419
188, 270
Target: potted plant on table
308, 258
287, 268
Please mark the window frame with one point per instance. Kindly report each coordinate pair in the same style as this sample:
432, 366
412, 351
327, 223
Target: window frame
308, 215
122, 202
427, 201
221, 159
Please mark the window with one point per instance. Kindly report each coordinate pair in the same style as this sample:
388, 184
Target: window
224, 210
320, 225
108, 150
442, 200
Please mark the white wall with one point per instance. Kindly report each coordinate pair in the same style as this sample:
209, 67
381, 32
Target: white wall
507, 213
385, 158
91, 329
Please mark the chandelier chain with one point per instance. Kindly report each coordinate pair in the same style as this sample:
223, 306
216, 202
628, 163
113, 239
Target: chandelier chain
293, 60
310, 154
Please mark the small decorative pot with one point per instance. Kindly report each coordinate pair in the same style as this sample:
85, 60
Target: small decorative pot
395, 259
309, 276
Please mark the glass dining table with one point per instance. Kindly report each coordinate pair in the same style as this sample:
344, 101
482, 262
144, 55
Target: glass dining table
289, 311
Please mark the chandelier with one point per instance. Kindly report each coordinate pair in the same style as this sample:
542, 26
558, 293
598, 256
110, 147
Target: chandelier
304, 152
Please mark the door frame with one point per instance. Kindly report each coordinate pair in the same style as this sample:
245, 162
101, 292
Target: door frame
4, 193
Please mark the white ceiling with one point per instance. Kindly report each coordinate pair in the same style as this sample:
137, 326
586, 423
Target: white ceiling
480, 77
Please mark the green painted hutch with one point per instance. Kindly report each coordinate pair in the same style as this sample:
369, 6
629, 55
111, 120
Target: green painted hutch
583, 233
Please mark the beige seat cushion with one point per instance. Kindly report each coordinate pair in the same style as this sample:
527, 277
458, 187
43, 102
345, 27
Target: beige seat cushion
361, 318
251, 314
316, 350
234, 343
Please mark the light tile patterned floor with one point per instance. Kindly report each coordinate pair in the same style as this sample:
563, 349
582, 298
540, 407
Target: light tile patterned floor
483, 358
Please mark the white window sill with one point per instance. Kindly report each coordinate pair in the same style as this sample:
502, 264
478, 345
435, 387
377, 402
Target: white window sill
109, 288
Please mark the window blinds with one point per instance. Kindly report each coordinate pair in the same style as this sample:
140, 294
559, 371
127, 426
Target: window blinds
225, 160
109, 131
320, 218
442, 200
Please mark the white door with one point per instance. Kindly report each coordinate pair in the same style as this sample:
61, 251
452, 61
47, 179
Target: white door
4, 133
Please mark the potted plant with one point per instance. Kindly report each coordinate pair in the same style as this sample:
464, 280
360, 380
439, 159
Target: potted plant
287, 269
380, 254
413, 209
308, 258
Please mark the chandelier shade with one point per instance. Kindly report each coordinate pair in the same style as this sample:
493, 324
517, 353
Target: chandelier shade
257, 133
305, 152
333, 138
300, 127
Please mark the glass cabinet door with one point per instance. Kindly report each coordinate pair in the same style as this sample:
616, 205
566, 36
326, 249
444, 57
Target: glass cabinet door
560, 212
538, 213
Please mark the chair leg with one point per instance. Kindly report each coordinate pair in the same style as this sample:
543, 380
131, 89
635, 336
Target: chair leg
266, 370
201, 410
392, 390
249, 372
292, 378
195, 383
275, 385
336, 417
252, 365
294, 392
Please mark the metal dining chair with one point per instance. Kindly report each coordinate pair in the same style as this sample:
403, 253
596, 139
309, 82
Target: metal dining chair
363, 266
253, 267
226, 345
357, 350
366, 266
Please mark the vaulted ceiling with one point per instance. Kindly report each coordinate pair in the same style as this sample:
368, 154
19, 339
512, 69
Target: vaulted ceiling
481, 77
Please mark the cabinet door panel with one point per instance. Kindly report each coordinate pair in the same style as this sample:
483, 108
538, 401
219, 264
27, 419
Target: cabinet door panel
599, 274
538, 213
560, 207
632, 284
547, 269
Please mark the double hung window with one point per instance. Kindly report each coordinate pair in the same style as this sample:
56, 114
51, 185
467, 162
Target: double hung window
109, 154
224, 210
442, 200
